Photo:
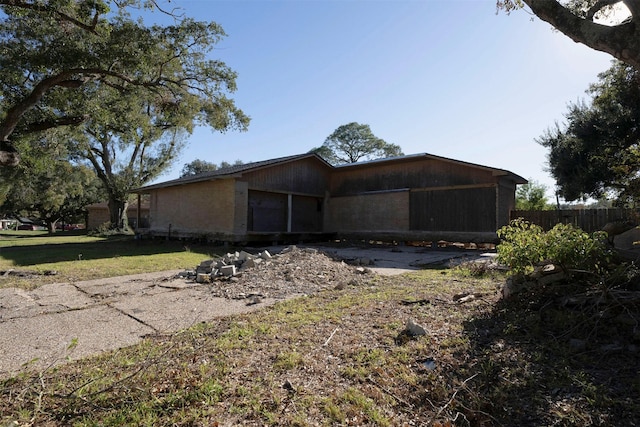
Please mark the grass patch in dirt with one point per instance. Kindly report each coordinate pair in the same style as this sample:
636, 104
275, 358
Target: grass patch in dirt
340, 358
32, 259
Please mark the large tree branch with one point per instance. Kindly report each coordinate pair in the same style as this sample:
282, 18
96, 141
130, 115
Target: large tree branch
40, 7
621, 41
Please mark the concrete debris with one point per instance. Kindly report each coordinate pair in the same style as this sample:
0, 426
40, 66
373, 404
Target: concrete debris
293, 271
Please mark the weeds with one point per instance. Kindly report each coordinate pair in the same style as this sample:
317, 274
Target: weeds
332, 359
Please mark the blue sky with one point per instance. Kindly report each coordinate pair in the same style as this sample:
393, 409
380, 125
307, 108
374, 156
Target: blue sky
450, 78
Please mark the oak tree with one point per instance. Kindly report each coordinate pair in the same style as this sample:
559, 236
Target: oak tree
353, 142
596, 152
57, 53
578, 19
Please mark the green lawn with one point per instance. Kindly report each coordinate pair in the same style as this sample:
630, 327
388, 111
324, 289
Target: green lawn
76, 256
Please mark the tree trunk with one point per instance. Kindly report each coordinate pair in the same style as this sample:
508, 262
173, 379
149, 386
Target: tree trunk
621, 41
118, 213
51, 226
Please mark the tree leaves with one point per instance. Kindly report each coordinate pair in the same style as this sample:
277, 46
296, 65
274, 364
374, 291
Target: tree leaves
353, 142
597, 152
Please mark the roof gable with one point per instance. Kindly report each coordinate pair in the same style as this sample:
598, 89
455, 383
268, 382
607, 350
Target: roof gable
232, 171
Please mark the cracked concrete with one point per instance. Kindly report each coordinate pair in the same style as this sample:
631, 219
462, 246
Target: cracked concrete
38, 328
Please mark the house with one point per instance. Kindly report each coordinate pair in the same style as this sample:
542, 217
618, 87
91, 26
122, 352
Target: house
413, 197
98, 214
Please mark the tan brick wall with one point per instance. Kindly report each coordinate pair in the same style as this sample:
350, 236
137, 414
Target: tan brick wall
198, 208
96, 216
387, 211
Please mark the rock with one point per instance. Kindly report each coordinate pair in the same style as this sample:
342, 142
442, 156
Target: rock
252, 262
228, 270
203, 278
265, 255
414, 329
288, 386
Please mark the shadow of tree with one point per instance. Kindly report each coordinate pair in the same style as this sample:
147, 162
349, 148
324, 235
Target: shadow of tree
559, 355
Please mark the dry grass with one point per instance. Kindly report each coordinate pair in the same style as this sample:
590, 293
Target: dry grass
340, 357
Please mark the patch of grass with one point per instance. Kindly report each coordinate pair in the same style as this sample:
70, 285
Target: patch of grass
81, 257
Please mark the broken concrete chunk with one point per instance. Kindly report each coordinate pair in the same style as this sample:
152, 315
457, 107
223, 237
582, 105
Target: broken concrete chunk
228, 270
251, 262
243, 256
265, 255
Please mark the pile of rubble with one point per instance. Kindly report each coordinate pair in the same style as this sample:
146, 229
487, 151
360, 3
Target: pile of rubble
294, 271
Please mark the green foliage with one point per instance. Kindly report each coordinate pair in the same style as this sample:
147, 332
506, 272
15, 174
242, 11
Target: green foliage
46, 186
531, 197
199, 166
353, 142
597, 151
525, 245
128, 93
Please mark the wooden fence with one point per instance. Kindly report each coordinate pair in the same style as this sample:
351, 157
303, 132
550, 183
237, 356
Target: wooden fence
589, 220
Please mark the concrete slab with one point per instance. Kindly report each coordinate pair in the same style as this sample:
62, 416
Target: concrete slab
123, 285
42, 341
53, 298
173, 311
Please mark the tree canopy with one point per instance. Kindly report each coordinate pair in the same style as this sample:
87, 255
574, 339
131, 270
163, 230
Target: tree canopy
353, 142
58, 55
125, 93
531, 197
199, 166
596, 152
47, 187
577, 20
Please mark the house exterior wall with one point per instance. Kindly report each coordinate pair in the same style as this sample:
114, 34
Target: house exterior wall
418, 197
200, 208
373, 212
414, 173
466, 209
506, 202
98, 214
430, 195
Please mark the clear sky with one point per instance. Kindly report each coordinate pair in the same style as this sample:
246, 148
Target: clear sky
450, 78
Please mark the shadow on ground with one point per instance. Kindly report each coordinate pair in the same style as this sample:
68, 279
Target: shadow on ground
561, 356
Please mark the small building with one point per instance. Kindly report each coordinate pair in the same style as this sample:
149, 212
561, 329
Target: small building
98, 214
413, 197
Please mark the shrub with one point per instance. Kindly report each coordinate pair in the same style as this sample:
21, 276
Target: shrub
525, 245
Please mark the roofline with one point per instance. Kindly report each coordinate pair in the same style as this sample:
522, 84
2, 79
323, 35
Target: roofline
212, 176
203, 177
411, 157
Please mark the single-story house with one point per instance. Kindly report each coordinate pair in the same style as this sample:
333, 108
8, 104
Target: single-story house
413, 197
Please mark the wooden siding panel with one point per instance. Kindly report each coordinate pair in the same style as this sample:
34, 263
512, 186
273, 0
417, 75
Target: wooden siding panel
306, 214
454, 210
369, 212
267, 212
307, 176
419, 174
